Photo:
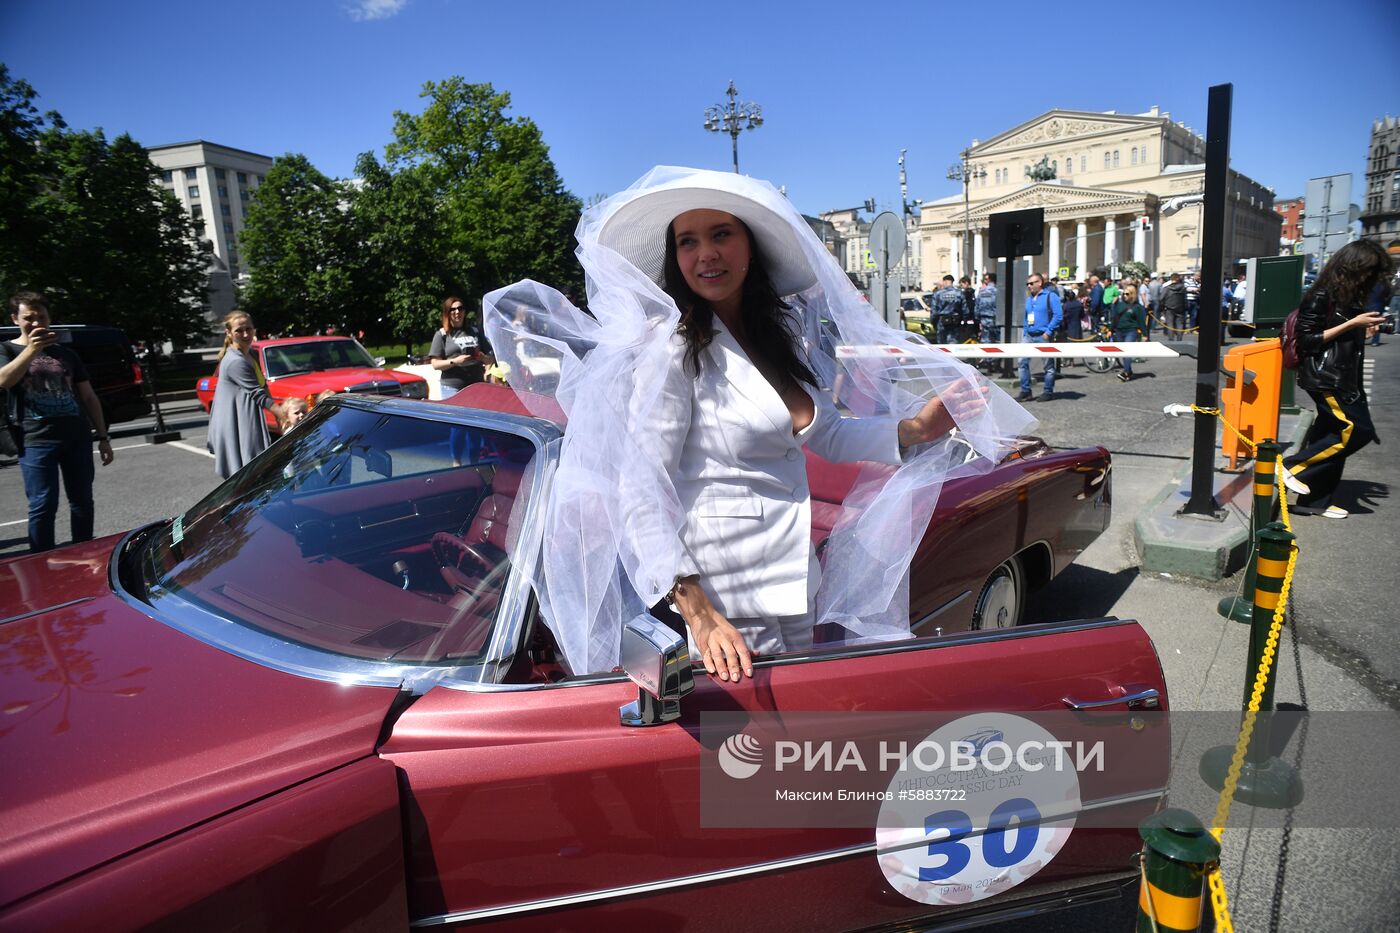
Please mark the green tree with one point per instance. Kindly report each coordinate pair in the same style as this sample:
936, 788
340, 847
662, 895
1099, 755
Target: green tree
298, 240
86, 221
121, 249
506, 214
400, 232
1131, 268
22, 180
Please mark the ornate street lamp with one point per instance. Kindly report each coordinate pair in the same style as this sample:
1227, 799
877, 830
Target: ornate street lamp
733, 118
966, 171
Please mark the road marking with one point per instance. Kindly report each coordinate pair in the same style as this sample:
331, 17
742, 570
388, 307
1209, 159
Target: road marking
193, 450
20, 521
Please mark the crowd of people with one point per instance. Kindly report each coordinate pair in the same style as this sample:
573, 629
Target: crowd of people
1123, 310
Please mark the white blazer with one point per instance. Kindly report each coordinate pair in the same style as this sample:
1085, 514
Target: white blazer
726, 440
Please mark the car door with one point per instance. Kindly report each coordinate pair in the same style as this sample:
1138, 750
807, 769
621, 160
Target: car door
532, 807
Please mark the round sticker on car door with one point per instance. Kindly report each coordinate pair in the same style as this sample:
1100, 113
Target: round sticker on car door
977, 807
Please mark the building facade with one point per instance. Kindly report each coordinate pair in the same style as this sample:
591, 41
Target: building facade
1380, 220
215, 184
851, 247
1290, 211
1124, 186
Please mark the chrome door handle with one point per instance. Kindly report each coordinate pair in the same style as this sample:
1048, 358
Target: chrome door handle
1143, 699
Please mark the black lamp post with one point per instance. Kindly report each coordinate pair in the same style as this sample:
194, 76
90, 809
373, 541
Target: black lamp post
733, 118
966, 171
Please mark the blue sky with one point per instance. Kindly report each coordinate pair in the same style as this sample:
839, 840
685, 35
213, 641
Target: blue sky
619, 86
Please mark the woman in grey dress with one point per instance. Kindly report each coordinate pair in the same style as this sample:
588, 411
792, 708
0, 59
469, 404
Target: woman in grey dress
237, 429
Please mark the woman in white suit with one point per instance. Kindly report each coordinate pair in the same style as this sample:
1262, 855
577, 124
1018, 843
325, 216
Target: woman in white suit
737, 406
691, 385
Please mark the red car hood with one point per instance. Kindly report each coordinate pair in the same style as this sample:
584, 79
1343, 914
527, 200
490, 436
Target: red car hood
117, 730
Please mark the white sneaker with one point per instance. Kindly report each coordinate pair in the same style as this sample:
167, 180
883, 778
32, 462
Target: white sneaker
1293, 483
1335, 511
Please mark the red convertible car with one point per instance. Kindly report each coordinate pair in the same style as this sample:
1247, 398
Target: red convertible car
308, 366
322, 699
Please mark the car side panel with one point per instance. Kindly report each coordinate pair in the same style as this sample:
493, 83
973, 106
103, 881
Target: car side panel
514, 797
326, 854
1059, 501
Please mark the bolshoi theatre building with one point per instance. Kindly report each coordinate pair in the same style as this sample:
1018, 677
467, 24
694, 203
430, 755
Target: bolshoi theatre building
1114, 187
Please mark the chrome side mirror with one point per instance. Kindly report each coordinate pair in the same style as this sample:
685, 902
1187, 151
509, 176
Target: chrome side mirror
658, 662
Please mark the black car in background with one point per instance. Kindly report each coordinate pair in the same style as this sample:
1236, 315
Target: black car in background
111, 364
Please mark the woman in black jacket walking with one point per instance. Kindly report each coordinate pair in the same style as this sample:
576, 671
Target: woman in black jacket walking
1331, 333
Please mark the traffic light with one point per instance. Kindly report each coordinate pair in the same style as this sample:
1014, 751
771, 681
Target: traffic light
870, 205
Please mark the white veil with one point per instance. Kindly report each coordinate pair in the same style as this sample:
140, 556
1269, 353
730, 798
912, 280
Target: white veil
612, 543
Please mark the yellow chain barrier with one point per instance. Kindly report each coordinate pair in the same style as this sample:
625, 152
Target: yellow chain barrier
1175, 330
1218, 900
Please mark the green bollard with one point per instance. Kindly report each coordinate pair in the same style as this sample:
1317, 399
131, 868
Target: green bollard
1265, 781
1241, 607
1177, 855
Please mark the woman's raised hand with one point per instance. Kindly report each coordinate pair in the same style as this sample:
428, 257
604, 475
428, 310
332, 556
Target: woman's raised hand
962, 400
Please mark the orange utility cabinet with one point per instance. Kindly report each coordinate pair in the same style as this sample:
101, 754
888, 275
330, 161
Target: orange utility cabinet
1250, 404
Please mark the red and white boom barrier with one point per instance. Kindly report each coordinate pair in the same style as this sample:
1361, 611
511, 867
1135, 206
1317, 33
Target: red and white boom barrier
982, 351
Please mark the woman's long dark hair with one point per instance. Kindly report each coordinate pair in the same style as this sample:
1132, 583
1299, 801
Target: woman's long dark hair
1351, 273
769, 323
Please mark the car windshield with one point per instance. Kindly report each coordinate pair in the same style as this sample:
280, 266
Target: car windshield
356, 534
314, 356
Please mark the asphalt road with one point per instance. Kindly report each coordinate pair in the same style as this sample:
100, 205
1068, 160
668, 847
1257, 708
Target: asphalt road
1339, 593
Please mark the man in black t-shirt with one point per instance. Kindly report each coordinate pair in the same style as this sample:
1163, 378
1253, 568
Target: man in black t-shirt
57, 411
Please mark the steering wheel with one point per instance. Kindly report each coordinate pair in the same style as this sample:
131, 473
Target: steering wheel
456, 559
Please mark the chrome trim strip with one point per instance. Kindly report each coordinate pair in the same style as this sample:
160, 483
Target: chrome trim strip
924, 643
1103, 802
651, 887
940, 610
39, 612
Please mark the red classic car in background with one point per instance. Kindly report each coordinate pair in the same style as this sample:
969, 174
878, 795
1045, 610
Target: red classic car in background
323, 699
307, 366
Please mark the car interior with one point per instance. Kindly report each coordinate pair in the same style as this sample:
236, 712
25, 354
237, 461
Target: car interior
357, 535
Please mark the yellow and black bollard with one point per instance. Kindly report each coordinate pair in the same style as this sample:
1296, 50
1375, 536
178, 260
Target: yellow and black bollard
1241, 607
1178, 853
1265, 780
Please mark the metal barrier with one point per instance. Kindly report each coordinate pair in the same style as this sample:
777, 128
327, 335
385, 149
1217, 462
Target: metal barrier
1177, 856
1240, 607
1246, 770
1250, 398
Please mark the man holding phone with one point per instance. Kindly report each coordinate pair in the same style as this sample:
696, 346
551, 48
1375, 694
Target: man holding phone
57, 411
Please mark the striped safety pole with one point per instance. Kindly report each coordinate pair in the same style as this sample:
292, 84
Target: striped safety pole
1274, 543
1240, 607
1178, 853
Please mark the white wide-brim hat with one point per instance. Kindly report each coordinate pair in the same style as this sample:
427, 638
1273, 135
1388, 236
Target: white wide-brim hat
637, 227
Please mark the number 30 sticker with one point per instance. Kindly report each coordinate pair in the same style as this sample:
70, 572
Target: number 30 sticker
977, 807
